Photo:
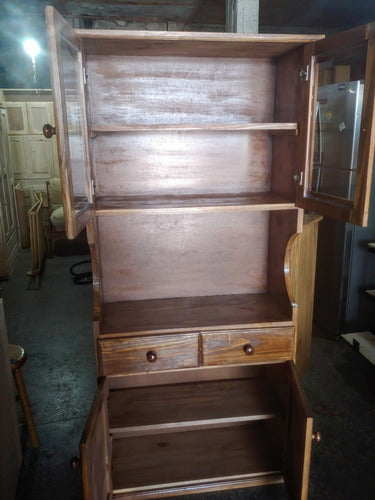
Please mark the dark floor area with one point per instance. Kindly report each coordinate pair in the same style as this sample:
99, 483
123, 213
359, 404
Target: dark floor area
51, 318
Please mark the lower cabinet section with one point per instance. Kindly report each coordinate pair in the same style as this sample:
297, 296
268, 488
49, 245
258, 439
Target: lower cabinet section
248, 428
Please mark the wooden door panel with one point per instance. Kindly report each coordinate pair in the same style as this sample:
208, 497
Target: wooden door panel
338, 129
71, 122
95, 449
298, 441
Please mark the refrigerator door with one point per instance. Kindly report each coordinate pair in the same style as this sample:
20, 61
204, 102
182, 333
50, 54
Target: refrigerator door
339, 111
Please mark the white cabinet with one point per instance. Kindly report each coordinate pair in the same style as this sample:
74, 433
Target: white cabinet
34, 159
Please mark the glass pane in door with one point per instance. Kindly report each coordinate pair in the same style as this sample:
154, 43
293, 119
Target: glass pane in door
338, 116
74, 103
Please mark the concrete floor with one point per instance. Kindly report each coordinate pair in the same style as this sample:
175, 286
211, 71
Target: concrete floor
51, 319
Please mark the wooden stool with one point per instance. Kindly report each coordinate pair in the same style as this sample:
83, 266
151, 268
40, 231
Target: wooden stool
17, 358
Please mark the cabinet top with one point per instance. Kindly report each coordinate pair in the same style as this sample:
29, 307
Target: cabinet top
200, 44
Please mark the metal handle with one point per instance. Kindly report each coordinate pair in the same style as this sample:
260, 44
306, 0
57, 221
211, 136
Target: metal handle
151, 356
48, 130
249, 349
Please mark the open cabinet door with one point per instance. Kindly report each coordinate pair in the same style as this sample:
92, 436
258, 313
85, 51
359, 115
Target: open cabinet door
338, 125
95, 449
67, 79
298, 442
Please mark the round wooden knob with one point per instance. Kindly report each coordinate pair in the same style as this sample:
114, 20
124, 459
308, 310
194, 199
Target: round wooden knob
48, 130
151, 356
249, 349
316, 437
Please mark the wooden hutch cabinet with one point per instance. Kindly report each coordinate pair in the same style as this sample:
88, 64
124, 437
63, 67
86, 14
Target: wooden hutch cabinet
189, 158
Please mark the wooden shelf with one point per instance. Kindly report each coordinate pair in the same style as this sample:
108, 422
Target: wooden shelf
227, 127
195, 313
109, 205
192, 458
177, 407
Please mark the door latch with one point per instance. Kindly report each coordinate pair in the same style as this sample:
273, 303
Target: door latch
298, 178
304, 73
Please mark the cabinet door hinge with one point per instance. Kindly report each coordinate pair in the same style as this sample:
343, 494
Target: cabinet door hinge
304, 74
84, 75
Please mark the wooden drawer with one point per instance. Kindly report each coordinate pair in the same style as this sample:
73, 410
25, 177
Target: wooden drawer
246, 346
148, 353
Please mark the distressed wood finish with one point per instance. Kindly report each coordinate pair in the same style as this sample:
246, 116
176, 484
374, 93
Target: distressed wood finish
247, 346
104, 42
162, 90
182, 163
72, 152
133, 355
95, 449
176, 407
200, 149
298, 447
184, 254
192, 460
110, 205
300, 271
189, 313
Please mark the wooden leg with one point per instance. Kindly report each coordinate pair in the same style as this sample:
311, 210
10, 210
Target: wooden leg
26, 409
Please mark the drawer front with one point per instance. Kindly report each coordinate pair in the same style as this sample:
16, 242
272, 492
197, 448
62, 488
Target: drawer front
248, 346
147, 354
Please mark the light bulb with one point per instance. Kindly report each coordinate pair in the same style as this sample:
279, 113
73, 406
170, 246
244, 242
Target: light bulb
31, 48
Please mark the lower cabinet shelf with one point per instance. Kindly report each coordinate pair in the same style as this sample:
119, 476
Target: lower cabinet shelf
191, 437
198, 460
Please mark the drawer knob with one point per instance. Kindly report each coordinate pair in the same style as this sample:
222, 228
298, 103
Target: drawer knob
249, 349
151, 356
48, 131
316, 437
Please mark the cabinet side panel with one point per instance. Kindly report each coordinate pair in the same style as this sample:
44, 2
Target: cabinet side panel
283, 225
147, 256
287, 106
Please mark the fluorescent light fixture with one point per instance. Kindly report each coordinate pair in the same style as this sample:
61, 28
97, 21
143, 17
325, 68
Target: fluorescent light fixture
32, 48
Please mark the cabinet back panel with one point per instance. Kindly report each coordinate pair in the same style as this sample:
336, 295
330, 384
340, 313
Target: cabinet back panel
181, 163
173, 90
147, 256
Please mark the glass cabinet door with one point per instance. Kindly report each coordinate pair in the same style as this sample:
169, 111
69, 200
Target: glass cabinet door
71, 123
340, 126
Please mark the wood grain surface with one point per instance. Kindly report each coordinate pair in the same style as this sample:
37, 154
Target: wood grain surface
130, 355
186, 406
188, 313
142, 462
177, 255
268, 344
181, 163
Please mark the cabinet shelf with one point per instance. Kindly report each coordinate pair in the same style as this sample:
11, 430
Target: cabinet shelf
111, 205
176, 407
205, 457
191, 313
267, 127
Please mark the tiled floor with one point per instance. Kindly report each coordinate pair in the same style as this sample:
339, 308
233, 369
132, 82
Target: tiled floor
52, 321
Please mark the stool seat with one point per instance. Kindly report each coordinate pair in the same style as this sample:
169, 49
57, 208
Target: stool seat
17, 357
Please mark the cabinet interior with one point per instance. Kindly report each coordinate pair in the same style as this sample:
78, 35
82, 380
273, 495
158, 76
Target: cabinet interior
193, 154
186, 440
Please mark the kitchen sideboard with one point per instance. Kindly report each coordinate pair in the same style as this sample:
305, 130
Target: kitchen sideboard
189, 158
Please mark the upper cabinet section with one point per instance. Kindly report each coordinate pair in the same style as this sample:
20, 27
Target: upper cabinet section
278, 117
71, 122
340, 125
